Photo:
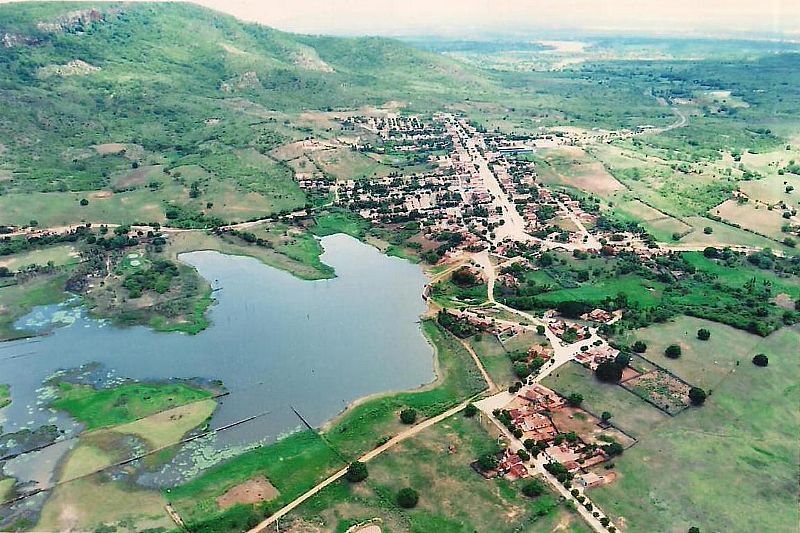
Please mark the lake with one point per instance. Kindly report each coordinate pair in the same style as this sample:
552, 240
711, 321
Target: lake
275, 341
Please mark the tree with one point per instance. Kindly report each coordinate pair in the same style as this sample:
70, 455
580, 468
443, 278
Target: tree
575, 399
608, 371
697, 396
622, 359
606, 416
540, 329
639, 347
522, 454
487, 461
408, 416
711, 252
703, 334
760, 360
357, 471
470, 410
533, 488
708, 230
613, 449
673, 351
407, 498
694, 529
84, 202
529, 444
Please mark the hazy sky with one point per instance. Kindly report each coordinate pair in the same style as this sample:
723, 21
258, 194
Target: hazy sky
469, 18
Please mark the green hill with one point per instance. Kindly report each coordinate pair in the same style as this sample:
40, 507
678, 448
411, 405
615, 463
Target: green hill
185, 85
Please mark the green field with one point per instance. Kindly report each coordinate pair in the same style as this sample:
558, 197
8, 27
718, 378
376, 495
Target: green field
697, 468
453, 496
99, 408
5, 395
628, 411
57, 255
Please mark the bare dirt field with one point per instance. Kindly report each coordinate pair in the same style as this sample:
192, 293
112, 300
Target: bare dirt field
755, 217
255, 490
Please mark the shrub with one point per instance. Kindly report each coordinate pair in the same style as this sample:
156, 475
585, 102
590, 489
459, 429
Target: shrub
408, 416
470, 410
533, 488
760, 360
703, 334
673, 351
487, 461
609, 372
407, 498
357, 471
639, 347
697, 396
575, 399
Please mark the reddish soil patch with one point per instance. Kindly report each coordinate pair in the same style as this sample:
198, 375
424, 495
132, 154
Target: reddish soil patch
629, 373
255, 490
139, 177
785, 301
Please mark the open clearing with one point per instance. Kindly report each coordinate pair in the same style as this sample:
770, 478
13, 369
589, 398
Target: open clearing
695, 469
453, 497
255, 490
60, 255
753, 217
571, 166
87, 503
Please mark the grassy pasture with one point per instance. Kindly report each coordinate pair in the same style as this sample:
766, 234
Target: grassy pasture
729, 465
743, 273
629, 412
453, 497
99, 408
753, 217
53, 209
60, 255
772, 189
724, 235
5, 395
575, 168
88, 503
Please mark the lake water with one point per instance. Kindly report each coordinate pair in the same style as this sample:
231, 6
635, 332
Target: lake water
275, 341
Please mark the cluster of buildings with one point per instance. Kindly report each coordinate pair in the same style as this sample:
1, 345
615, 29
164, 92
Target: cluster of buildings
473, 190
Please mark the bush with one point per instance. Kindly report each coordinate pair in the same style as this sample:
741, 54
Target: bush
575, 399
697, 396
533, 488
673, 351
407, 498
703, 334
470, 410
609, 372
639, 347
357, 471
760, 360
487, 461
408, 416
